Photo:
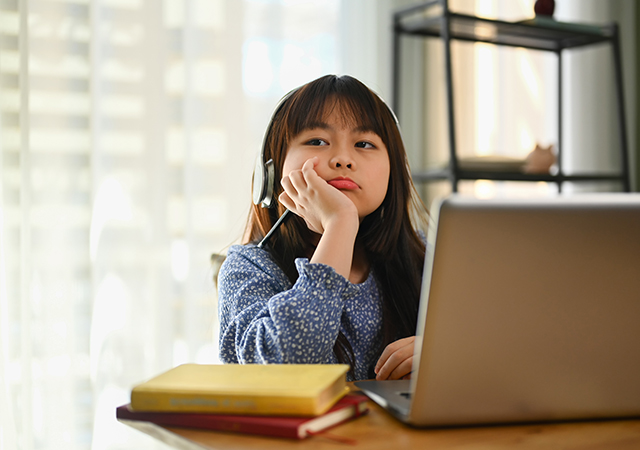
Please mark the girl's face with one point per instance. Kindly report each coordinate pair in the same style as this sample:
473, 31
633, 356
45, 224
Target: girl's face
351, 159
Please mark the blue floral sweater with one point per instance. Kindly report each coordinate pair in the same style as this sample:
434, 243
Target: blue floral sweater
266, 319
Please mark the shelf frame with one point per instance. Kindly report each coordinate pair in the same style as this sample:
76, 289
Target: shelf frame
539, 34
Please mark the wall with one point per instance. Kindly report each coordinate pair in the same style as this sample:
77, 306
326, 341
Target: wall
591, 116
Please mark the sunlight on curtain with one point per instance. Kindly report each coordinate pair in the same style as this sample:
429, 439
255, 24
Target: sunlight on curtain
128, 133
7, 424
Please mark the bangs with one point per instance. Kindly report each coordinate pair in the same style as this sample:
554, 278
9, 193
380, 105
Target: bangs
353, 102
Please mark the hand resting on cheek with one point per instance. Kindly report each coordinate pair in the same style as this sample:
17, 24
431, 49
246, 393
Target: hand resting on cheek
312, 198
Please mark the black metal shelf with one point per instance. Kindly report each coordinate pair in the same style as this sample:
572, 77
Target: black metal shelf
433, 19
443, 174
537, 34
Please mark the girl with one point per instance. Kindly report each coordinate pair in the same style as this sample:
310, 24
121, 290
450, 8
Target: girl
339, 280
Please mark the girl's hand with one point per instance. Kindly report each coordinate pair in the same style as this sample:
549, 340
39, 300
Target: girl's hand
396, 360
312, 198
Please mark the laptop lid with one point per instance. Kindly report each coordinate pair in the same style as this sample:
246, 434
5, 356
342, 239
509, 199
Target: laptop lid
530, 311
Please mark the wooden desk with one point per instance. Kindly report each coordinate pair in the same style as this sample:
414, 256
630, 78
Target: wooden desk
378, 430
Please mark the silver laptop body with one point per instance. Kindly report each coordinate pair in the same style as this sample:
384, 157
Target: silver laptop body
530, 311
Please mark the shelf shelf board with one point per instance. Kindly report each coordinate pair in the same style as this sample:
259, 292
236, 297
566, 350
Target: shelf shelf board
444, 174
540, 33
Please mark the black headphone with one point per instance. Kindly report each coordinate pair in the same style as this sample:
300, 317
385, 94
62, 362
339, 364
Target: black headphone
263, 181
264, 175
264, 172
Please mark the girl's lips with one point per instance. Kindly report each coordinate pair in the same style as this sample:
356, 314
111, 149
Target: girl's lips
343, 183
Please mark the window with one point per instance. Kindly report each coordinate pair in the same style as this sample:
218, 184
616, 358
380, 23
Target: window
128, 134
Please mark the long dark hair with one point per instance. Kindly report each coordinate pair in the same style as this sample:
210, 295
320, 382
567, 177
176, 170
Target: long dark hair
388, 235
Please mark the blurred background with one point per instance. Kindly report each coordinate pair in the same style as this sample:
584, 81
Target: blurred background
128, 134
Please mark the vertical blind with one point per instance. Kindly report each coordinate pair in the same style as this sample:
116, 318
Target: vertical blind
129, 129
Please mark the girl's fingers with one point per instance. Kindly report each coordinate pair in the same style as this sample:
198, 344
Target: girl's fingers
310, 164
396, 367
310, 175
396, 360
288, 195
394, 364
403, 370
312, 198
286, 201
288, 187
297, 184
297, 180
392, 348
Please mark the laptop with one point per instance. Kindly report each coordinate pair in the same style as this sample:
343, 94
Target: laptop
530, 312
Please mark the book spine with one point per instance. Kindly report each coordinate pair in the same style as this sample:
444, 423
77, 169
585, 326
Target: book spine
222, 404
337, 417
227, 425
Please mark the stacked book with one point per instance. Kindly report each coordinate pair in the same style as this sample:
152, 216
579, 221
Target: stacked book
284, 400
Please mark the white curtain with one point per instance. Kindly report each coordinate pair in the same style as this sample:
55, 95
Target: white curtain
129, 130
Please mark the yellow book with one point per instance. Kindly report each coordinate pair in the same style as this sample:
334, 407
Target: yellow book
261, 389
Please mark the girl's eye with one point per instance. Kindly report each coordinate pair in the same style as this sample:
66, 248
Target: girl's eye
317, 142
364, 144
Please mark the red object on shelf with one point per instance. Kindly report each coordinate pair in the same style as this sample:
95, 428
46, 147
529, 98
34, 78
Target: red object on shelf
544, 7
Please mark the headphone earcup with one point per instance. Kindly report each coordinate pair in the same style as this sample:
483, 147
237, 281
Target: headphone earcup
263, 183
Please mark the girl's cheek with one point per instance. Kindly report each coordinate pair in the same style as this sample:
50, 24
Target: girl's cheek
291, 164
287, 167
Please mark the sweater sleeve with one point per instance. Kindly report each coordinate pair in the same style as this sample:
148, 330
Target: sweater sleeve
263, 319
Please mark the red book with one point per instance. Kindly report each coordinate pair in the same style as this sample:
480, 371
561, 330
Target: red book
348, 407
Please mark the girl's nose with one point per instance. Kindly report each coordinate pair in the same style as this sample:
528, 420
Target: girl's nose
340, 164
342, 159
